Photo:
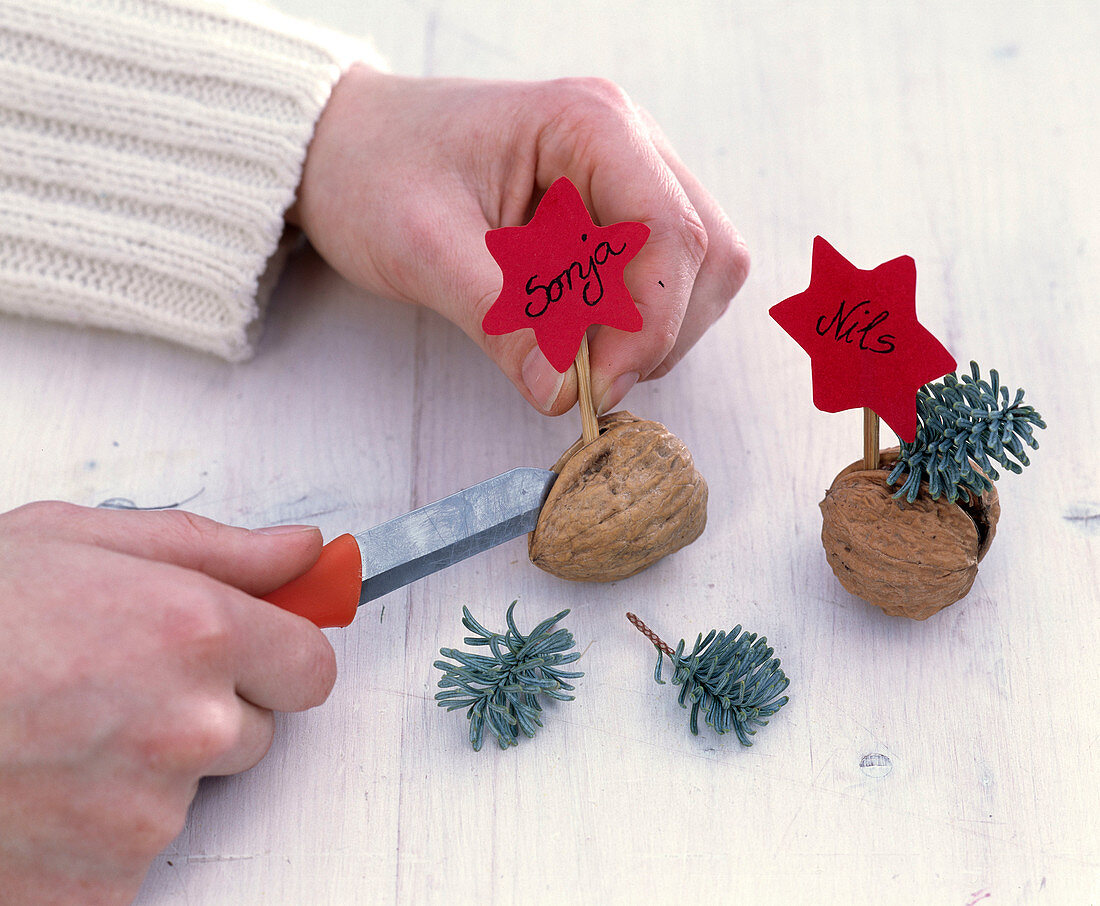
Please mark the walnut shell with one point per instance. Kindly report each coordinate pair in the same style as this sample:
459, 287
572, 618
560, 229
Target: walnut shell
620, 503
910, 559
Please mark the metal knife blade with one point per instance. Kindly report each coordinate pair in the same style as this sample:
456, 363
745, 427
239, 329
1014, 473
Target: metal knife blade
435, 536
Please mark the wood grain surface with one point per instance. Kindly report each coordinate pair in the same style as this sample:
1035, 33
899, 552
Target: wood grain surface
952, 762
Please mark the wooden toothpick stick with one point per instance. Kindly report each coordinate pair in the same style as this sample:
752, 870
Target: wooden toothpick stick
590, 427
870, 439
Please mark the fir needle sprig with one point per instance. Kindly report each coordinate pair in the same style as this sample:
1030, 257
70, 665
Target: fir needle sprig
501, 691
963, 426
730, 677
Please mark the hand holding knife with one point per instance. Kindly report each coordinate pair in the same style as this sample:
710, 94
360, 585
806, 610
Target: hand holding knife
354, 569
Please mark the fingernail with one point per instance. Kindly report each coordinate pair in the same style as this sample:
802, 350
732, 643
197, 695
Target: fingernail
542, 379
285, 529
615, 393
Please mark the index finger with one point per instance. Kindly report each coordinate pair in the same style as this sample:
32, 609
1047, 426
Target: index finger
603, 145
725, 267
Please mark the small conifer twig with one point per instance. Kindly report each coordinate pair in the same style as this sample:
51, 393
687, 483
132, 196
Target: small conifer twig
730, 677
964, 425
501, 692
657, 641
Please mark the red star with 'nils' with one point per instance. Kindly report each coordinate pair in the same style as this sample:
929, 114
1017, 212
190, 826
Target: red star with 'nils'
563, 273
866, 346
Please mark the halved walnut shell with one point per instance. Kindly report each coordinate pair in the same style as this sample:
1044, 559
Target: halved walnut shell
910, 559
620, 503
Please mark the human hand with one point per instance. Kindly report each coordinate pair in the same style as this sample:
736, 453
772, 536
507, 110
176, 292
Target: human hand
404, 177
134, 661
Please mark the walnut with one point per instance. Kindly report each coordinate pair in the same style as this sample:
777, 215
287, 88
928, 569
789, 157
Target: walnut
620, 503
910, 559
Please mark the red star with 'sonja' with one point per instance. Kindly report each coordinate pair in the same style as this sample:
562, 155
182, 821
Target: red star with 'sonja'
865, 344
562, 273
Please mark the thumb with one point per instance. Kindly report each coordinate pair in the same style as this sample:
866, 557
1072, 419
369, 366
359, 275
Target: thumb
256, 562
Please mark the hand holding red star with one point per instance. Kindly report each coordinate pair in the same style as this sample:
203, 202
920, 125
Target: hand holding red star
866, 346
562, 273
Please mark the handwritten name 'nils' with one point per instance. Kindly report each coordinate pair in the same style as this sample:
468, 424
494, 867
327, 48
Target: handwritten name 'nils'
589, 281
845, 323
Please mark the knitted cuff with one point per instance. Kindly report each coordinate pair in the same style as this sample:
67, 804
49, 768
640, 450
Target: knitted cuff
148, 152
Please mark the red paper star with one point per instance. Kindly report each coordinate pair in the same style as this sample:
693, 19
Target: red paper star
866, 346
562, 273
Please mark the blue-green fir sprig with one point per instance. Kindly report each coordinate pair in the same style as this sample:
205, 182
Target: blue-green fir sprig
501, 690
964, 425
730, 677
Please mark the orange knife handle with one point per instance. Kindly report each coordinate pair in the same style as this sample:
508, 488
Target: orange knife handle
328, 594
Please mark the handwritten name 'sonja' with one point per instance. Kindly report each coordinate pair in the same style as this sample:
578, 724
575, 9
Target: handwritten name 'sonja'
587, 279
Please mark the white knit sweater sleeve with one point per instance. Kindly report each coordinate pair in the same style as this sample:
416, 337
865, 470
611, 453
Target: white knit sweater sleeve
148, 152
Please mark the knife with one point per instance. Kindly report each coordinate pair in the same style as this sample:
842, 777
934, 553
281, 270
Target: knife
354, 569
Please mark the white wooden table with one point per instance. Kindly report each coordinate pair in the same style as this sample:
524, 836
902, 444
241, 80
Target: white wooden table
961, 134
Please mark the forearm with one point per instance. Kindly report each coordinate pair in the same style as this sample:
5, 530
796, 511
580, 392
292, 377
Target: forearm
147, 157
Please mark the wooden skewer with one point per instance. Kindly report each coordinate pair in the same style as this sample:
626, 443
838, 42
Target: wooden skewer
590, 426
870, 439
